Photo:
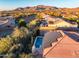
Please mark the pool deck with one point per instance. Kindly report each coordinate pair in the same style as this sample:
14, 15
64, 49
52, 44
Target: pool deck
66, 47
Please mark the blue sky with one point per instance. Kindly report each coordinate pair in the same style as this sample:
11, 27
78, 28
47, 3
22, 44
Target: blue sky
12, 4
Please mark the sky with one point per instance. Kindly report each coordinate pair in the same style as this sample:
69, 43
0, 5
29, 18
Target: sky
12, 4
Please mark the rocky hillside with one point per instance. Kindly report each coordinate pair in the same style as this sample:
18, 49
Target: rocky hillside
66, 12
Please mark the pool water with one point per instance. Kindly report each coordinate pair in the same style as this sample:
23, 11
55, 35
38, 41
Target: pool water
38, 42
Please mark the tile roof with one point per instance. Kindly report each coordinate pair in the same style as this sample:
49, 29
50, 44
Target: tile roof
66, 47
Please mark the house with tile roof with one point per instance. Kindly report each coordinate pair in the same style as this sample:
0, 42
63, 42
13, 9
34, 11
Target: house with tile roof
65, 47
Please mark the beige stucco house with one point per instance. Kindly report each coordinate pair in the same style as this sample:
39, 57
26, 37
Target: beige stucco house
54, 22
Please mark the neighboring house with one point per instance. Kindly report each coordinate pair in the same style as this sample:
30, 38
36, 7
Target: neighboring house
7, 22
30, 18
43, 23
57, 22
62, 23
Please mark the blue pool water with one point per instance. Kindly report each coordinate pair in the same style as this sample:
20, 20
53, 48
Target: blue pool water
38, 42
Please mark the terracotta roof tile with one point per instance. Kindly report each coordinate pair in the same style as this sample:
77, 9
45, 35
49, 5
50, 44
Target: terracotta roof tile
67, 47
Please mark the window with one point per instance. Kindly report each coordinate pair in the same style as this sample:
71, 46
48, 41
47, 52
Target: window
51, 22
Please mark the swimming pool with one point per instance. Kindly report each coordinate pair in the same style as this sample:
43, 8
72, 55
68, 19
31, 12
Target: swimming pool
38, 41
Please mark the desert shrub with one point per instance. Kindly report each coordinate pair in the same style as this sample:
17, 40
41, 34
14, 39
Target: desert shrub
19, 34
29, 56
9, 55
20, 41
5, 44
22, 36
16, 48
14, 51
24, 55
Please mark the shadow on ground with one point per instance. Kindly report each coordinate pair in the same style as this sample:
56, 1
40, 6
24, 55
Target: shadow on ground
72, 36
4, 33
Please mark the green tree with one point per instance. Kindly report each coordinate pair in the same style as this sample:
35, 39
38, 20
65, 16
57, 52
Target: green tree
77, 22
22, 23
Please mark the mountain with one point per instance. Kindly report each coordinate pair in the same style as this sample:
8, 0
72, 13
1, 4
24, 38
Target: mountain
40, 8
